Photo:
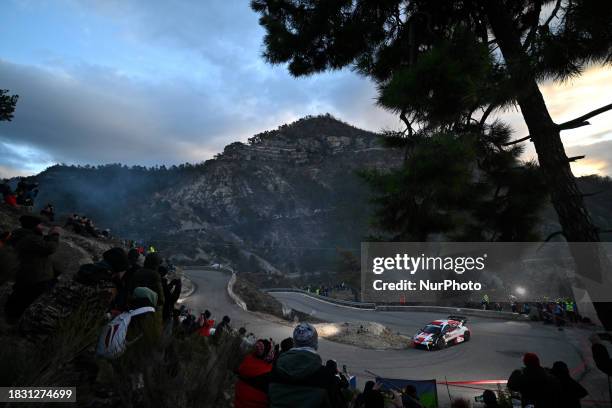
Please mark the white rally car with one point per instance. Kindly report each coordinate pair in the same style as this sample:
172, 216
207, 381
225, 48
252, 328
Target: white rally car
440, 333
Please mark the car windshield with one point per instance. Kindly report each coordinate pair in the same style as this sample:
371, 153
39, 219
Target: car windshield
430, 328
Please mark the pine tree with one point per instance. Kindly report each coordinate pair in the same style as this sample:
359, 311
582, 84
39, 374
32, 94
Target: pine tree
438, 62
463, 185
7, 105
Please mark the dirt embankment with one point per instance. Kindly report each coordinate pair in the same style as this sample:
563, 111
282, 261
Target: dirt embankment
361, 334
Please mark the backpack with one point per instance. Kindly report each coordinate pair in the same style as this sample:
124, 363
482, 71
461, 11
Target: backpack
112, 342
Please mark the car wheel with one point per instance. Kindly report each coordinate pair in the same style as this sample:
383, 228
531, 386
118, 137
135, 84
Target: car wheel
466, 336
440, 344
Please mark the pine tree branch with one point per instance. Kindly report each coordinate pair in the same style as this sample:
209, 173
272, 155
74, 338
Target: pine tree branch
553, 14
486, 114
522, 139
582, 120
534, 27
583, 195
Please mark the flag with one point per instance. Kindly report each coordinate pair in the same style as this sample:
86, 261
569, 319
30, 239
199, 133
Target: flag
427, 390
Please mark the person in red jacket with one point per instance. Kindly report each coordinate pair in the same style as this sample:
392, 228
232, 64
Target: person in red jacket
253, 377
205, 323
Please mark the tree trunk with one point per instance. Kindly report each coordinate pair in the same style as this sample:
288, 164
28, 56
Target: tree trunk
565, 195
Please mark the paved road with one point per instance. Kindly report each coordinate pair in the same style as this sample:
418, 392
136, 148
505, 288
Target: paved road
494, 351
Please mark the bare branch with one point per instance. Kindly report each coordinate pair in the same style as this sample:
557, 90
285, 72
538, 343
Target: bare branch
407, 122
581, 120
577, 125
575, 158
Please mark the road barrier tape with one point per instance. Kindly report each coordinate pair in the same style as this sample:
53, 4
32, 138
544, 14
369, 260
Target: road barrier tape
470, 384
595, 402
476, 382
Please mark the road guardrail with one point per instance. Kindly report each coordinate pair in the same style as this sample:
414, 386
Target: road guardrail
491, 314
360, 305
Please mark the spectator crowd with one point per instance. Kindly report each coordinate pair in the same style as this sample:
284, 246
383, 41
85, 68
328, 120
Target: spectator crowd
288, 374
23, 195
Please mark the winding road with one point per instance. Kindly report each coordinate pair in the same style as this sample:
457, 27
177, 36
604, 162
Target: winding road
493, 352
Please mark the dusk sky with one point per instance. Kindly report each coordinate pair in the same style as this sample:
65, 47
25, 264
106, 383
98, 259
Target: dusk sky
165, 82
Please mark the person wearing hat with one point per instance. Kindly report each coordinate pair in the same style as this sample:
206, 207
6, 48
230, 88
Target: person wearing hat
299, 379
144, 332
148, 276
35, 273
253, 377
535, 384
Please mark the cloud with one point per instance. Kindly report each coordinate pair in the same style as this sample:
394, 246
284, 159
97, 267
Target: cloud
163, 82
597, 161
92, 114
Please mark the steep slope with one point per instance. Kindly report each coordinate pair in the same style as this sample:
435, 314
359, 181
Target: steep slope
289, 197
284, 200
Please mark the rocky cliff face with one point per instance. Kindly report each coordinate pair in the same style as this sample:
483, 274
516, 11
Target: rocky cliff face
286, 198
284, 201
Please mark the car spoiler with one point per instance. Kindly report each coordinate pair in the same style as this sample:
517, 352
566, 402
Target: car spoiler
461, 319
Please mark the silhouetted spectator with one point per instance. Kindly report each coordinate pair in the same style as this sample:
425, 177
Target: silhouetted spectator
460, 403
410, 399
222, 328
571, 391
8, 196
149, 277
601, 356
371, 397
172, 292
92, 289
286, 345
48, 212
125, 283
489, 399
536, 386
35, 273
26, 192
341, 383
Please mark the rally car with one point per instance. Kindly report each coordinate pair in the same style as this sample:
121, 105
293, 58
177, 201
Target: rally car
441, 333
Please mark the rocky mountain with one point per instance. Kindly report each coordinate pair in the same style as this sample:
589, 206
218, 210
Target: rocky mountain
283, 201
